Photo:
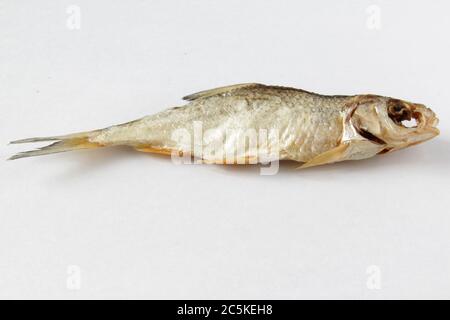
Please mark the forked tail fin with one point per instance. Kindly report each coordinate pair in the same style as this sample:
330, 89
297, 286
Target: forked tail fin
63, 143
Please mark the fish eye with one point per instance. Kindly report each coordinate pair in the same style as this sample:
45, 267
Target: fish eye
398, 111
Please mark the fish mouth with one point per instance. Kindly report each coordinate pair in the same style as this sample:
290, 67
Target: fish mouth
426, 119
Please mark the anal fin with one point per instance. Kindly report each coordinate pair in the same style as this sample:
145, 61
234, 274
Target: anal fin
151, 149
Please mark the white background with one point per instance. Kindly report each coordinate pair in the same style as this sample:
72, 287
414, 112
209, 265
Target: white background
134, 225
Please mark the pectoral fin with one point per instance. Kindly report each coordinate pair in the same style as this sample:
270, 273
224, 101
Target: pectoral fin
333, 155
347, 150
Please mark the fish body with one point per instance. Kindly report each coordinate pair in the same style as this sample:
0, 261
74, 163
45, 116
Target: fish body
244, 123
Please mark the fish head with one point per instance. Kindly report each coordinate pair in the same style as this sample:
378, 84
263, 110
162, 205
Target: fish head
393, 122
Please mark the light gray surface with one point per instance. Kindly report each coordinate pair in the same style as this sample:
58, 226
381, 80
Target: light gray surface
137, 226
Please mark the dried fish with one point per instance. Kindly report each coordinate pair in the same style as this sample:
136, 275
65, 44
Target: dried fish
297, 125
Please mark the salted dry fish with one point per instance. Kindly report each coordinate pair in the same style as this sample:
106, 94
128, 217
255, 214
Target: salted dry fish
302, 126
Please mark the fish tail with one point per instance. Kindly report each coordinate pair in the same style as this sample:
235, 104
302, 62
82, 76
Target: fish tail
62, 144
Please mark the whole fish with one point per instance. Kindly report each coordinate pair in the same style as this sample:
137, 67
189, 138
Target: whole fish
293, 124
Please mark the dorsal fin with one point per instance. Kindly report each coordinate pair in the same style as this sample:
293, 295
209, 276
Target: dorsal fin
220, 90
